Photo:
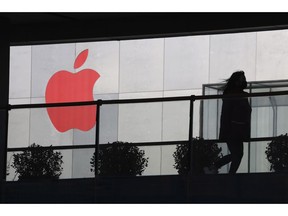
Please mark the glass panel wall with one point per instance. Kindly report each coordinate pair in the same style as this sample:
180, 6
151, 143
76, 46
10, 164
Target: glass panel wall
155, 128
268, 119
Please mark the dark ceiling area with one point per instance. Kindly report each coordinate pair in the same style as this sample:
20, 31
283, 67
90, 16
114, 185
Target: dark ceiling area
39, 28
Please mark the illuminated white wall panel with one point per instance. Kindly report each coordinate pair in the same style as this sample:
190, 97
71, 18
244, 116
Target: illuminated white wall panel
272, 55
264, 126
141, 122
261, 126
67, 164
19, 125
108, 119
176, 116
167, 160
11, 173
154, 161
84, 137
141, 65
20, 72
104, 58
81, 163
232, 52
176, 120
282, 121
259, 157
186, 62
243, 168
47, 60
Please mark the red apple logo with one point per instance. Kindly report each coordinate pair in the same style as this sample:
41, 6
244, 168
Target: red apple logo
65, 86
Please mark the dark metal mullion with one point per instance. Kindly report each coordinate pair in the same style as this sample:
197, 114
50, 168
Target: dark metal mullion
66, 147
190, 147
97, 136
106, 144
249, 143
6, 141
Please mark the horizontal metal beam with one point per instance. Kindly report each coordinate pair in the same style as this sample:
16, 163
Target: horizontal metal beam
92, 146
142, 100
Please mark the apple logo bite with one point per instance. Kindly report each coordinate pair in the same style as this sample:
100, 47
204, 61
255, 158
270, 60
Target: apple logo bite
65, 86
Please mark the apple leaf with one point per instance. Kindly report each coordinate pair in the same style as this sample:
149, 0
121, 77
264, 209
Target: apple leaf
81, 58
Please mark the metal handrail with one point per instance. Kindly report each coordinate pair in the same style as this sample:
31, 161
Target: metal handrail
161, 143
141, 100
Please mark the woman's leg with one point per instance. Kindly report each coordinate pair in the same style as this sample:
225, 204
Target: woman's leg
223, 161
236, 149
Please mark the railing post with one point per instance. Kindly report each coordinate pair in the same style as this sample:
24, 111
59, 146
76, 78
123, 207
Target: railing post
249, 143
190, 147
97, 135
96, 153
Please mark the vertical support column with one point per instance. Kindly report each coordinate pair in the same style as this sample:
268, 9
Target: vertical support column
97, 136
249, 143
4, 98
190, 147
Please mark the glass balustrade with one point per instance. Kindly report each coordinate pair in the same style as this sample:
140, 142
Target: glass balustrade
155, 129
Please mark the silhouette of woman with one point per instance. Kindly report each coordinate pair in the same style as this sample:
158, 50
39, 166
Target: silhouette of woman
235, 121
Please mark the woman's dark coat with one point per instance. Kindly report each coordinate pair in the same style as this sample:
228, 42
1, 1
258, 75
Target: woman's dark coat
235, 123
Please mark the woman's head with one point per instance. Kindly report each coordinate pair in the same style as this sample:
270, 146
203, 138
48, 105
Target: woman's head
237, 81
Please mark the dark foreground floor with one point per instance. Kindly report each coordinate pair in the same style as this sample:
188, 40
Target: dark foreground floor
239, 188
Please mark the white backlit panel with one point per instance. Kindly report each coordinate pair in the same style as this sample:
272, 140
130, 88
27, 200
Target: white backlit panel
19, 125
20, 72
140, 122
272, 55
81, 163
186, 62
154, 160
176, 116
141, 65
167, 160
232, 52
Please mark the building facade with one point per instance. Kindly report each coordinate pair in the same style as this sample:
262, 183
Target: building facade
130, 69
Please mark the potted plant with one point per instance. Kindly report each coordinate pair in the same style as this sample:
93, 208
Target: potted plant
121, 159
277, 153
205, 154
38, 162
